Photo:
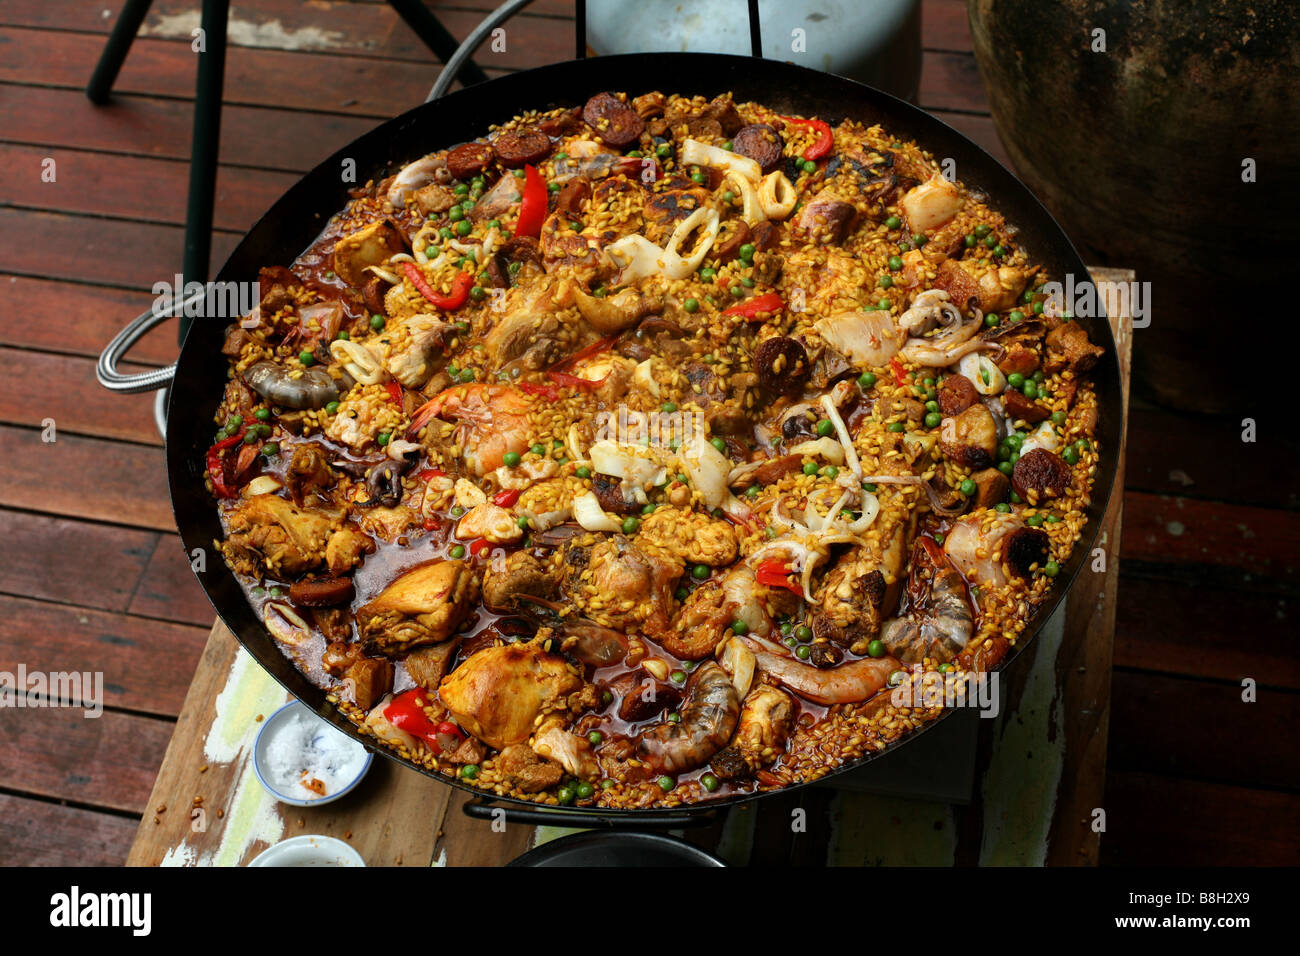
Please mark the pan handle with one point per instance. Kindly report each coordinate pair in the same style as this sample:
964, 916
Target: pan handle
485, 809
472, 42
106, 369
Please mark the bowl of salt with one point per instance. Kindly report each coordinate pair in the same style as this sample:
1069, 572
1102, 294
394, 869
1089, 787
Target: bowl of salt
303, 761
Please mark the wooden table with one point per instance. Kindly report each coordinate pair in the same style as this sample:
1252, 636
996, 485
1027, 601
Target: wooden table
1040, 770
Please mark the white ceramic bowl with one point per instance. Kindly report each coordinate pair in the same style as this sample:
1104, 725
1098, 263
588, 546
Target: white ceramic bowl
277, 721
309, 850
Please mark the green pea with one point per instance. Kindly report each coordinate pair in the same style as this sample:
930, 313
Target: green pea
306, 358
666, 783
522, 522
565, 794
446, 232
1051, 568
469, 771
630, 524
809, 166
553, 187
990, 241
457, 551
477, 293
885, 282
1030, 390
538, 449
896, 427
1039, 376
803, 652
343, 336
830, 471
511, 459
981, 230
919, 240
884, 304
933, 419
719, 444
698, 178
810, 468
270, 448
1058, 418
1005, 467
1002, 507
709, 782
876, 649
824, 427
804, 633
664, 151
595, 738
970, 241
464, 228
1015, 498
992, 320
377, 323
332, 408
583, 471
700, 572
867, 379
383, 438
967, 487
691, 305
1017, 316
938, 538
262, 414
1015, 440
250, 437
455, 214
747, 251
1071, 455
893, 222
869, 488
1016, 380
708, 275
932, 406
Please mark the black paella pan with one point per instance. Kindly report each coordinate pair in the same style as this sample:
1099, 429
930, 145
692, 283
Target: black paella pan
297, 218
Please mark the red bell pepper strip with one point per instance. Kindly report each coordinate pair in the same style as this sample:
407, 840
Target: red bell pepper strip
548, 392
560, 377
573, 381
428, 474
406, 713
215, 470
532, 209
460, 287
507, 498
595, 348
478, 546
768, 302
825, 138
776, 574
900, 376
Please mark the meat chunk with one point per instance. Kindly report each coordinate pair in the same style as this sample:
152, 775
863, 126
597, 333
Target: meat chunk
766, 720
642, 697
308, 471
1019, 407
272, 533
433, 199
625, 586
691, 537
516, 576
345, 549
498, 694
1040, 474
761, 143
370, 679
469, 159
970, 438
527, 772
429, 665
1024, 548
323, 592
826, 218
956, 394
339, 656
990, 487
422, 606
1018, 358
616, 123
1068, 348
931, 204
518, 147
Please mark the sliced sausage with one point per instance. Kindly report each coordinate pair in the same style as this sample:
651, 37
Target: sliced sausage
325, 592
609, 492
616, 123
731, 237
469, 159
1040, 474
1026, 547
761, 143
765, 235
956, 394
827, 218
1018, 406
517, 148
782, 365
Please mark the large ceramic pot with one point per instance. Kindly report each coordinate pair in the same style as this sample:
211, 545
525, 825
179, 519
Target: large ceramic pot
1138, 139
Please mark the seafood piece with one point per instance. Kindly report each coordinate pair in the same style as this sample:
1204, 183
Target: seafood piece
422, 606
413, 176
313, 388
492, 421
708, 719
931, 204
939, 621
372, 245
846, 684
498, 694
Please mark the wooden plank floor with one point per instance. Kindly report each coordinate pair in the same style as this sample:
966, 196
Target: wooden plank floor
92, 575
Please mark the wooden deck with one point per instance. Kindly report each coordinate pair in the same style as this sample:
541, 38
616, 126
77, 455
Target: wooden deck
91, 569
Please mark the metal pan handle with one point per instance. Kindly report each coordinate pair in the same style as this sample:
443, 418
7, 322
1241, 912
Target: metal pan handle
106, 369
485, 809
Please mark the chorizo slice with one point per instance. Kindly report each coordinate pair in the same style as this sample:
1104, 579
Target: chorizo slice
956, 394
782, 365
570, 199
1026, 547
1018, 406
761, 143
469, 159
517, 148
1040, 474
616, 123
324, 592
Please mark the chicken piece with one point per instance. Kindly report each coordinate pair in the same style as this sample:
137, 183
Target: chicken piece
766, 720
433, 199
508, 578
993, 290
339, 656
345, 550
570, 751
308, 471
419, 349
422, 606
691, 537
369, 679
498, 694
527, 772
491, 522
827, 218
470, 751
272, 533
429, 665
523, 333
372, 245
1068, 348
971, 438
625, 585
931, 204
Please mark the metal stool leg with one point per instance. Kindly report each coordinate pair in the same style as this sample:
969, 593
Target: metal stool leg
435, 36
115, 51
205, 146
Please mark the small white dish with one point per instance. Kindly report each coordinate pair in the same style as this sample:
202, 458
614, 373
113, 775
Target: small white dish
289, 719
309, 850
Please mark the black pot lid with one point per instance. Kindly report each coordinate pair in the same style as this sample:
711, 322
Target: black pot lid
617, 848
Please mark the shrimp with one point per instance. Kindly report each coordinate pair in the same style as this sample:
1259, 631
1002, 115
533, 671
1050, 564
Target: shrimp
708, 614
940, 621
846, 684
709, 718
492, 420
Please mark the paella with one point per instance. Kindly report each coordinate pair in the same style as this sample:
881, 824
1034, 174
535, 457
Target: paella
644, 452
